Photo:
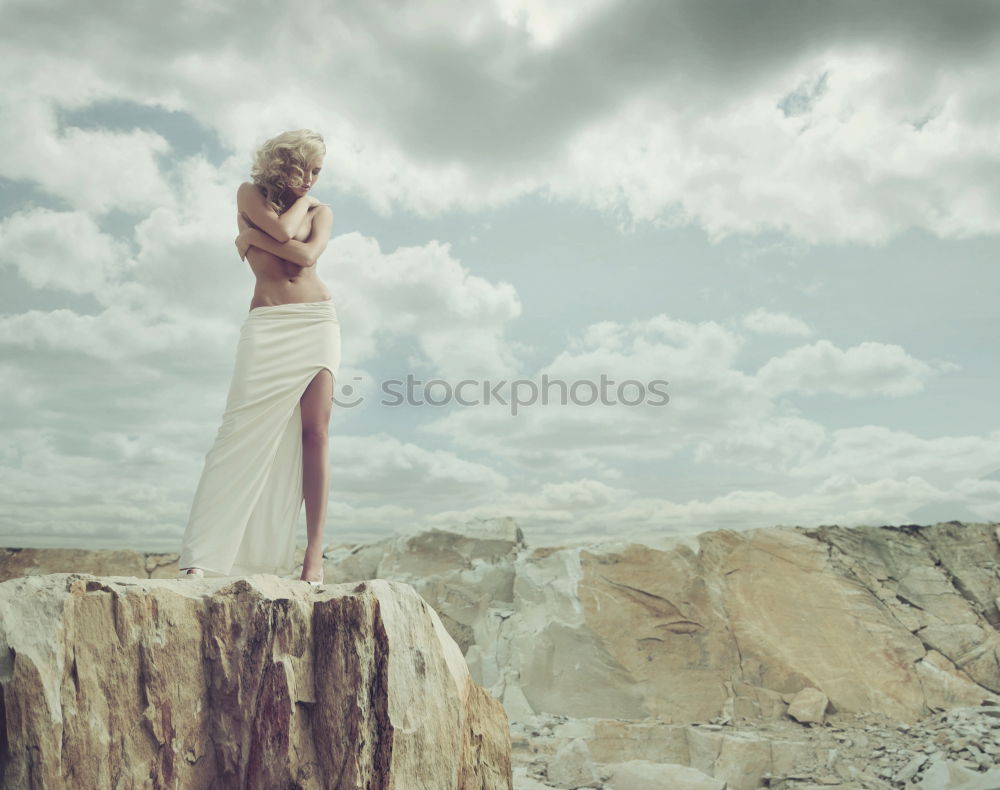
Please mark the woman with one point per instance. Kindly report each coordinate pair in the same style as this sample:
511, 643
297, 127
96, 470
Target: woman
271, 451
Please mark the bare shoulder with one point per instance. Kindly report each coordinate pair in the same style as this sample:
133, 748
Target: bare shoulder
248, 190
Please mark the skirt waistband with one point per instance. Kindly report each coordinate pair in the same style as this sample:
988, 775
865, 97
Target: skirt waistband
292, 307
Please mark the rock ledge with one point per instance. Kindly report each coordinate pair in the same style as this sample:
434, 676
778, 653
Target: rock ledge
254, 682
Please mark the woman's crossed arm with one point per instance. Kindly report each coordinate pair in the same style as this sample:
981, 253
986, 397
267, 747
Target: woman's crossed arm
301, 253
261, 215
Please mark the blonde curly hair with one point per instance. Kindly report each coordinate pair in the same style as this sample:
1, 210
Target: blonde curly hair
280, 163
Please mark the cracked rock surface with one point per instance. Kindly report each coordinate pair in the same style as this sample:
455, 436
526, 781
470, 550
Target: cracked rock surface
884, 627
255, 682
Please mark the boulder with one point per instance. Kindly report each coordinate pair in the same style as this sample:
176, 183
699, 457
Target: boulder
249, 682
808, 706
642, 775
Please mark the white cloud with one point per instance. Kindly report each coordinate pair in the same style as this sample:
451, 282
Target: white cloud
865, 121
870, 451
722, 415
186, 259
582, 494
865, 369
779, 444
366, 467
692, 363
661, 520
577, 504
765, 322
458, 320
92, 170
707, 395
116, 335
803, 449
63, 250
547, 22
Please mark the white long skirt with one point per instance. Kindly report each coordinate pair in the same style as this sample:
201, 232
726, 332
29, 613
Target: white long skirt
246, 507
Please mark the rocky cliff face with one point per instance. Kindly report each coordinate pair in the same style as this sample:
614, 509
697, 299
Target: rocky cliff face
631, 667
115, 682
897, 621
591, 648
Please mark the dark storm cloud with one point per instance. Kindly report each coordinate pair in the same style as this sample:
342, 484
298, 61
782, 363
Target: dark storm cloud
493, 99
665, 109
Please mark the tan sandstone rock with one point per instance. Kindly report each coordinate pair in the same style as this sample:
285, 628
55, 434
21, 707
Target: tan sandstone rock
643, 775
728, 622
252, 682
15, 562
893, 620
656, 646
808, 706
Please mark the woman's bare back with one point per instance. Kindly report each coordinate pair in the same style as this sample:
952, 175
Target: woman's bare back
280, 281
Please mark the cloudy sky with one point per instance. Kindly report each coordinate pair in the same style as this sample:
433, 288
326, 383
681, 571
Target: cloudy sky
787, 210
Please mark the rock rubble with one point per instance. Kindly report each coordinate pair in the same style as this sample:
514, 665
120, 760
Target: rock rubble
957, 749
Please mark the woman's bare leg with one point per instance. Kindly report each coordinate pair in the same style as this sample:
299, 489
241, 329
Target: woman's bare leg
316, 405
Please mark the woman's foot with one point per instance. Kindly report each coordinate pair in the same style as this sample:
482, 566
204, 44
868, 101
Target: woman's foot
314, 578
312, 568
311, 579
191, 573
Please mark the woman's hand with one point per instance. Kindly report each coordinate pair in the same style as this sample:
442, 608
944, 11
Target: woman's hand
242, 244
242, 241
